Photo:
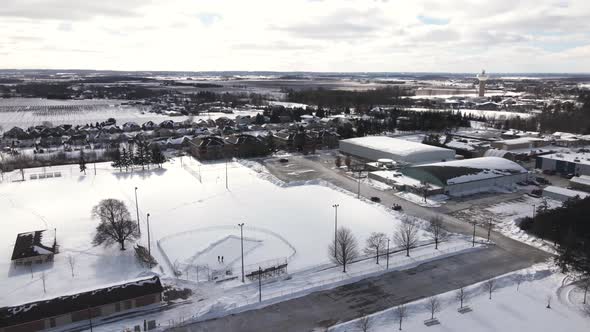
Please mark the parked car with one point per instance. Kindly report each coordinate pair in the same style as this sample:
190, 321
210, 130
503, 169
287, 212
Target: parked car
376, 199
396, 207
283, 160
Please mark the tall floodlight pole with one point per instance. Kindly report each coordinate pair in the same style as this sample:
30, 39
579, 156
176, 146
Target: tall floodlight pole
137, 211
242, 245
259, 284
149, 243
473, 240
387, 268
358, 192
335, 206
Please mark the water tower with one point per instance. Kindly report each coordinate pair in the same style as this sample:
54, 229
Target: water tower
483, 77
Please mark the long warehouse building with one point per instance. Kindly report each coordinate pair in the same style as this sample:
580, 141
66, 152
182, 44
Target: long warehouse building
383, 147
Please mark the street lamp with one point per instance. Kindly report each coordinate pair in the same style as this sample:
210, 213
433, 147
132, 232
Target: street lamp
137, 212
242, 245
387, 268
335, 206
149, 243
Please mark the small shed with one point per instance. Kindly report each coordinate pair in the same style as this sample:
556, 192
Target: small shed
34, 247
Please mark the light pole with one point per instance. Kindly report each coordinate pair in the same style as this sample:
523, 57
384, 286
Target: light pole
473, 240
137, 211
259, 284
149, 243
335, 206
387, 268
242, 245
226, 184
534, 210
358, 192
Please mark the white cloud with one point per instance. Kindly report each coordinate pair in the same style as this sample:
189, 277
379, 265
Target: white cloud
329, 35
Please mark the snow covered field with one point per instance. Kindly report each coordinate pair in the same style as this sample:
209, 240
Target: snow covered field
508, 310
193, 216
26, 112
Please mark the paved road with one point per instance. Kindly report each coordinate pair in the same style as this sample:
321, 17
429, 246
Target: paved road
326, 308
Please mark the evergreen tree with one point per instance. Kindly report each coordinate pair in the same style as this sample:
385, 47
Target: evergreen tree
117, 160
126, 159
157, 156
142, 154
82, 162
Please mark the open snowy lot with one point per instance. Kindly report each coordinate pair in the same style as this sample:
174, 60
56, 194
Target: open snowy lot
509, 309
193, 217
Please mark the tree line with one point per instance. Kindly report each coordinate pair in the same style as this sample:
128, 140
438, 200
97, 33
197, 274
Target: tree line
139, 154
568, 228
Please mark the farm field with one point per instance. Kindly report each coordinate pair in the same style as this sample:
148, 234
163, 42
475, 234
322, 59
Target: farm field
26, 112
193, 217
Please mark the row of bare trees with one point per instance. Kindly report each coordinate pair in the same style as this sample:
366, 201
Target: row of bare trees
345, 249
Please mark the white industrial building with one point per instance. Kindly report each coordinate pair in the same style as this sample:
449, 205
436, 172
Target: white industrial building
463, 177
382, 147
562, 194
575, 163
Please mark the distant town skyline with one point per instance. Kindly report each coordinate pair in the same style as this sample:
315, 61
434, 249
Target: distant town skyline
298, 35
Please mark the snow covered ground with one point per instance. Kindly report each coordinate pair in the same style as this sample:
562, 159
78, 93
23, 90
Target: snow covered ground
26, 112
193, 217
507, 215
509, 309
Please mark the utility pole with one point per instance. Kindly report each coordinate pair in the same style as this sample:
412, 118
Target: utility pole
387, 268
149, 243
95, 168
259, 284
473, 240
89, 318
137, 212
226, 184
489, 228
534, 210
335, 206
242, 245
358, 192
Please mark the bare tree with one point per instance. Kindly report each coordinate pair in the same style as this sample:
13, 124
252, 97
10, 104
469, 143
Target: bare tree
115, 224
365, 324
72, 263
406, 236
347, 162
519, 280
338, 162
436, 230
400, 313
43, 278
586, 309
376, 243
585, 285
548, 298
461, 296
346, 248
433, 305
490, 286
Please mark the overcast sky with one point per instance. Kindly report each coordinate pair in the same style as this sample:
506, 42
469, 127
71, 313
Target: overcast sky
297, 35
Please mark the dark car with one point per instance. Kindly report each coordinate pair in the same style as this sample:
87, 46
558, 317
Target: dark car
396, 207
376, 199
283, 160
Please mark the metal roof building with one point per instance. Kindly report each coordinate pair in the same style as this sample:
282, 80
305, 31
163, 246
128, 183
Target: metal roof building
383, 147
